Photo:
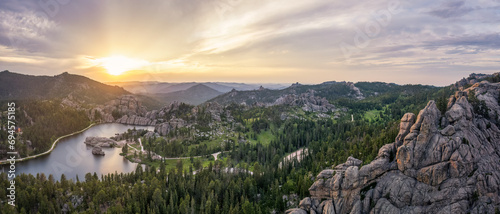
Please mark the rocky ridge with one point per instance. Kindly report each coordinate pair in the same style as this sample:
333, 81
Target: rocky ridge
475, 78
308, 101
438, 164
312, 98
126, 109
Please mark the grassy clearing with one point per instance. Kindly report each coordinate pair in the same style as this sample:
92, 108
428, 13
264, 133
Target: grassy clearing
264, 138
372, 114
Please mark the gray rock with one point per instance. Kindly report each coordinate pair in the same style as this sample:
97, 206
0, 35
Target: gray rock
327, 173
305, 204
164, 128
295, 211
350, 162
308, 101
100, 142
97, 151
319, 209
322, 187
136, 120
329, 208
448, 131
404, 127
383, 206
315, 202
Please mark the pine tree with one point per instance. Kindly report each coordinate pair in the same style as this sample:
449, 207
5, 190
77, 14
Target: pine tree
125, 149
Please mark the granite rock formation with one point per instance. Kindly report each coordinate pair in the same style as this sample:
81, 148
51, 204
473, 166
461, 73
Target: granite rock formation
438, 164
100, 142
164, 128
308, 101
126, 109
136, 120
97, 151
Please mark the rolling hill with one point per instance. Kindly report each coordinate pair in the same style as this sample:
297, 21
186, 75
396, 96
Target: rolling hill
16, 86
331, 91
194, 95
153, 87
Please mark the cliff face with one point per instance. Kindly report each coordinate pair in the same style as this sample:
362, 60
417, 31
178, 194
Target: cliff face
128, 107
438, 164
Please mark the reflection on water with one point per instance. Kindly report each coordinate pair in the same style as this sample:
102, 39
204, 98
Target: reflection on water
72, 157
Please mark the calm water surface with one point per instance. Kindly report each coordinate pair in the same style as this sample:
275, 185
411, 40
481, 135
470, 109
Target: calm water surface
72, 157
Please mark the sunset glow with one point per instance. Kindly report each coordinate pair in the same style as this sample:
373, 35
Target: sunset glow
310, 41
117, 65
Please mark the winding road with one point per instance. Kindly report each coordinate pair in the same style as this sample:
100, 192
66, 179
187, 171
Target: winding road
176, 158
140, 142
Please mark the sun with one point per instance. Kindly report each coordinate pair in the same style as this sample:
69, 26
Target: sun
117, 65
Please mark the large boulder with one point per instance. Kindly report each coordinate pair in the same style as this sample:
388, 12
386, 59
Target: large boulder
100, 142
97, 151
305, 204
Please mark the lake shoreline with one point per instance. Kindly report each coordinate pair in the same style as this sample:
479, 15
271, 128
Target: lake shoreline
2, 162
73, 158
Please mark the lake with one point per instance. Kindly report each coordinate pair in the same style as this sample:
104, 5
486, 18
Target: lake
72, 157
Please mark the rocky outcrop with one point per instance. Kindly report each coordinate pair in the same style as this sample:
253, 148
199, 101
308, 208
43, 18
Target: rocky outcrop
97, 151
100, 142
356, 92
296, 211
308, 101
128, 105
126, 109
136, 120
164, 128
473, 79
166, 113
216, 111
438, 164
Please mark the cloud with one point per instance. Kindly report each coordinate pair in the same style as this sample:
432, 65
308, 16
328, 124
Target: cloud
231, 38
25, 30
478, 42
451, 9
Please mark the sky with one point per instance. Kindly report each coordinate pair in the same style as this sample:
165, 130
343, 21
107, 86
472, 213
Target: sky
255, 41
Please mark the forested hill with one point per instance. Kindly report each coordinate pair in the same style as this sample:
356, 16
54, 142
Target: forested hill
14, 86
194, 95
49, 107
331, 91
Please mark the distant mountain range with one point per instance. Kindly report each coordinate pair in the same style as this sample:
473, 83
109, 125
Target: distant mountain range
328, 90
165, 87
15, 86
189, 92
154, 95
195, 95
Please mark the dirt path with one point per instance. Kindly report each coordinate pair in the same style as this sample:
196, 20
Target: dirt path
294, 155
140, 142
215, 155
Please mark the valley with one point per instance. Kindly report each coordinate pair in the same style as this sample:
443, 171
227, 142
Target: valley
260, 150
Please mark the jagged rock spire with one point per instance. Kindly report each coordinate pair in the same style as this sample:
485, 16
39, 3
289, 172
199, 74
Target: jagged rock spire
442, 164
